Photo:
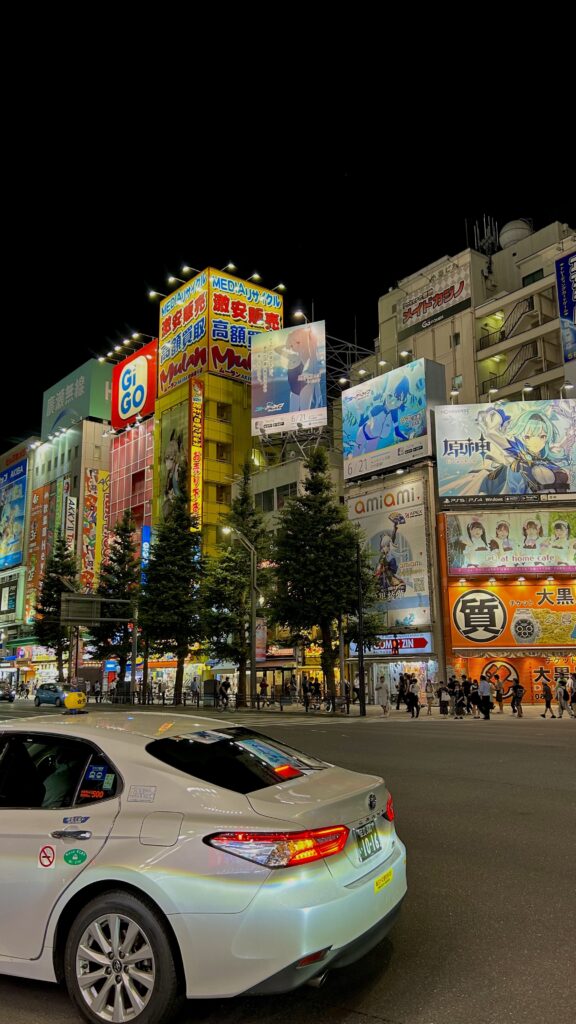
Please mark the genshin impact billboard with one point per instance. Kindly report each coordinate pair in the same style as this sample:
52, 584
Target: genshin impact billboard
289, 379
516, 453
386, 421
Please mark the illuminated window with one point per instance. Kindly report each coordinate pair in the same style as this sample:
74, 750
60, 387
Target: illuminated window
224, 412
223, 494
223, 452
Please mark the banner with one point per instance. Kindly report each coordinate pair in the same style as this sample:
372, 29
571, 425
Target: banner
522, 615
514, 453
174, 431
445, 294
396, 647
94, 525
239, 312
289, 379
196, 450
12, 513
37, 547
566, 289
508, 543
70, 513
393, 519
386, 421
183, 350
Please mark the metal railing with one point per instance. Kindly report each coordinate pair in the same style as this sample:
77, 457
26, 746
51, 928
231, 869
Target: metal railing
524, 355
509, 325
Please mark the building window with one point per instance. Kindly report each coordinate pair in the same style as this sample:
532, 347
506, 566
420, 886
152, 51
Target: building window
75, 484
97, 453
455, 339
536, 275
223, 494
457, 382
223, 452
49, 464
138, 481
69, 454
76, 452
265, 500
224, 412
284, 493
62, 458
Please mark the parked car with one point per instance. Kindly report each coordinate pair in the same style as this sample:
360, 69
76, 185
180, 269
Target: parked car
7, 691
144, 856
50, 693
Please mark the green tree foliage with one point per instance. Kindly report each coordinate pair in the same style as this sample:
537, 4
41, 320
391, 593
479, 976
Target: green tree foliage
315, 554
226, 587
170, 602
118, 582
60, 566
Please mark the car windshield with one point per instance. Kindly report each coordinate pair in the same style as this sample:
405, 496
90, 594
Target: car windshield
236, 759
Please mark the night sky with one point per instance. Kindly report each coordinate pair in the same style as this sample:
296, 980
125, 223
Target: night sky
99, 228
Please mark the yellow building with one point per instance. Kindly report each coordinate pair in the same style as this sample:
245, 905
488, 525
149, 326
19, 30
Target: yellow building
204, 377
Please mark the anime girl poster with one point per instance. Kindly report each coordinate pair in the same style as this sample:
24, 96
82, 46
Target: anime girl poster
503, 453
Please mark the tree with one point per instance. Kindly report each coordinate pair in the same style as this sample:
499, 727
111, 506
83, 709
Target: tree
118, 582
169, 604
315, 556
226, 588
60, 566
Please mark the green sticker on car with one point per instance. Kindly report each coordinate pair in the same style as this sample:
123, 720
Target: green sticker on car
75, 857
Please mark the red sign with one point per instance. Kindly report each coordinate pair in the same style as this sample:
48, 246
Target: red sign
46, 857
407, 643
134, 386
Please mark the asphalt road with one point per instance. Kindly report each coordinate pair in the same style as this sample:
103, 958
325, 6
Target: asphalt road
488, 930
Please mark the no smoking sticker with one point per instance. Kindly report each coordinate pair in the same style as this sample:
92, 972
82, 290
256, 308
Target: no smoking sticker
46, 857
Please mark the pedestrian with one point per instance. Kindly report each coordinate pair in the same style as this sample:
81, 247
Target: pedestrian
97, 693
547, 694
444, 698
223, 693
401, 690
382, 689
499, 694
475, 698
429, 696
452, 692
484, 697
305, 692
518, 692
264, 691
573, 692
356, 688
563, 698
459, 702
466, 687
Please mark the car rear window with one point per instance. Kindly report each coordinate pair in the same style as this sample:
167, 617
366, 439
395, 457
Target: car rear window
235, 759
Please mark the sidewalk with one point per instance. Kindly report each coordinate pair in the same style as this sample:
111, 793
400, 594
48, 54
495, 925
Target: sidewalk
375, 711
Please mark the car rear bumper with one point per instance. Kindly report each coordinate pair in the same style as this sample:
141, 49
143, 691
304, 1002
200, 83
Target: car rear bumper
289, 919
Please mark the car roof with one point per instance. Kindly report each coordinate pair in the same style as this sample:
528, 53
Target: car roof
136, 728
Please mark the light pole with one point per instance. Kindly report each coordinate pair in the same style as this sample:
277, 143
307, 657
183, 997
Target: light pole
564, 388
253, 597
526, 390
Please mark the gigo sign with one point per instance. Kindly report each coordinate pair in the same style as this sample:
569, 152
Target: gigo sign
134, 386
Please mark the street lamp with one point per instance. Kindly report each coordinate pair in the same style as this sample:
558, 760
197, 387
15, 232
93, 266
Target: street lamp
525, 390
491, 391
299, 314
172, 280
566, 387
453, 394
191, 270
253, 597
254, 277
154, 295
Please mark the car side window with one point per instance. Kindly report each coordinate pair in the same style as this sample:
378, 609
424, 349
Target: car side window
99, 782
41, 771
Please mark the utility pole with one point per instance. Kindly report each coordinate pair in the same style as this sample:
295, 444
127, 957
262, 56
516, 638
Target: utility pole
361, 676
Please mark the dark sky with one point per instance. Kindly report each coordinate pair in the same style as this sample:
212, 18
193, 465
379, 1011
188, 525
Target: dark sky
99, 227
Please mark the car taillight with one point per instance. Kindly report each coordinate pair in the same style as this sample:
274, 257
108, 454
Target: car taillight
282, 849
389, 812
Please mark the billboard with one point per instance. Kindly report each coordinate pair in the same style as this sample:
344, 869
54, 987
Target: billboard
531, 615
37, 546
408, 643
94, 525
174, 430
516, 453
386, 421
289, 379
393, 518
12, 586
508, 543
196, 450
12, 513
208, 325
86, 392
443, 296
134, 386
566, 288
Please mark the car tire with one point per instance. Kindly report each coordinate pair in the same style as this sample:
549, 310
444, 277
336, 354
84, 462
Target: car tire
36, 702
132, 915
58, 702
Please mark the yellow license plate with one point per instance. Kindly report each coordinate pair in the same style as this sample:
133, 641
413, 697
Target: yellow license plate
383, 880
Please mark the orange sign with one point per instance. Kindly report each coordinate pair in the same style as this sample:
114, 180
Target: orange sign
528, 615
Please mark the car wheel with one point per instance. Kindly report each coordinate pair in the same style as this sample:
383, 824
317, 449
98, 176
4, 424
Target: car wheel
36, 702
58, 702
118, 962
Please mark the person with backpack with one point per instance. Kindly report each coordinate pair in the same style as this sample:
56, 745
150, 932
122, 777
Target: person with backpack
518, 692
547, 694
562, 696
573, 692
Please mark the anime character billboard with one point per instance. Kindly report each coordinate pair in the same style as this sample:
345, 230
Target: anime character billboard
393, 519
289, 379
385, 422
515, 453
508, 543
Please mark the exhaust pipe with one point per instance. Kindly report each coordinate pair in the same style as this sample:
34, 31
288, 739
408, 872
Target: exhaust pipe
318, 981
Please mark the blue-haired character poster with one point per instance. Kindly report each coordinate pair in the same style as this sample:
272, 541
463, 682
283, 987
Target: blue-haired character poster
520, 452
385, 420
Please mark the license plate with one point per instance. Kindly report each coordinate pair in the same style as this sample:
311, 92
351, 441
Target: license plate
368, 840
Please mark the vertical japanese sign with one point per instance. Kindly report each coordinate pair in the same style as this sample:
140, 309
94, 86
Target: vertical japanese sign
70, 513
239, 311
89, 528
566, 288
196, 449
102, 518
145, 541
12, 513
37, 547
183, 334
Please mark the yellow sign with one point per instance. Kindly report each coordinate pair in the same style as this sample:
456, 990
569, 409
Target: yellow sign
383, 880
196, 450
182, 351
75, 701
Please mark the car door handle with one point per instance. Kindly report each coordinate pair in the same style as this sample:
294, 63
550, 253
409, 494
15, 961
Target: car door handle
65, 834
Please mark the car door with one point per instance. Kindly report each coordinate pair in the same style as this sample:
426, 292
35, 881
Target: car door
59, 798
